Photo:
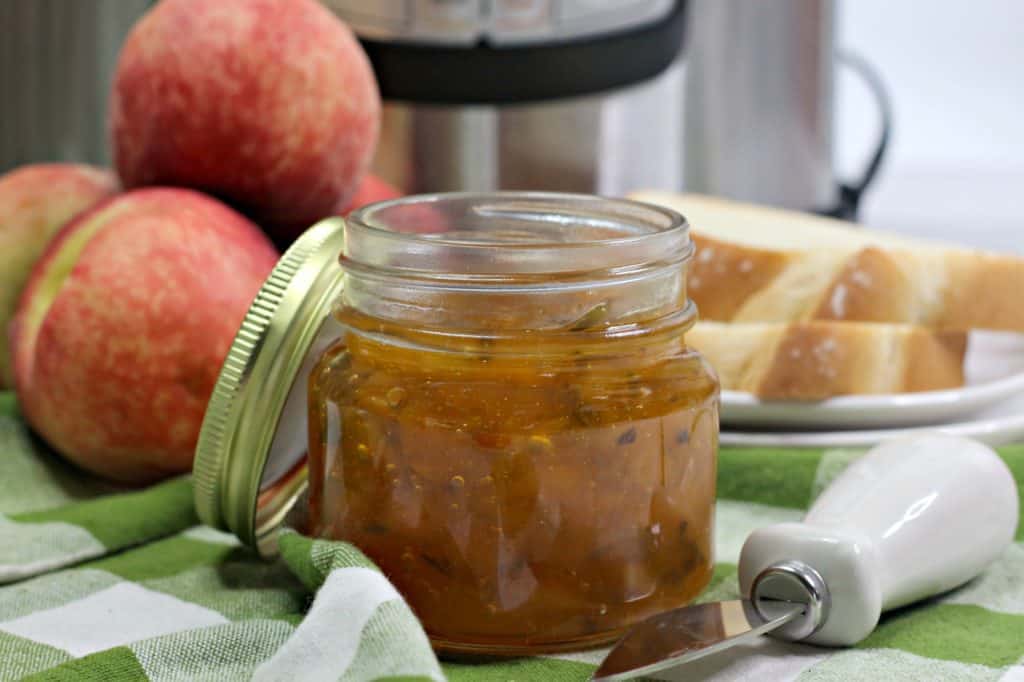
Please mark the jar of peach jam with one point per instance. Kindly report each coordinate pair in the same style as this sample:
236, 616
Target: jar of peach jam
502, 413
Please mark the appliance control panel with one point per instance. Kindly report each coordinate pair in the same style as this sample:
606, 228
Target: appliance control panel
504, 23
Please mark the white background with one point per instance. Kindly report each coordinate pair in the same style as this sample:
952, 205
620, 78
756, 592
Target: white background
955, 69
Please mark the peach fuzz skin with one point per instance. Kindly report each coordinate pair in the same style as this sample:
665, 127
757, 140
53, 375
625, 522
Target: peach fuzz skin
122, 329
35, 202
269, 105
371, 189
418, 218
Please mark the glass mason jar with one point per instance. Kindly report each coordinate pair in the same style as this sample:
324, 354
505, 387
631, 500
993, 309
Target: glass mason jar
510, 423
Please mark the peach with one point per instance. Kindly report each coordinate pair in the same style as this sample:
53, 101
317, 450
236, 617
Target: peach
124, 324
422, 218
371, 189
270, 105
36, 201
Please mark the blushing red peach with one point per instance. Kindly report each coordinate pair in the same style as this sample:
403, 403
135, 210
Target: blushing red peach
420, 218
35, 202
371, 189
124, 324
270, 105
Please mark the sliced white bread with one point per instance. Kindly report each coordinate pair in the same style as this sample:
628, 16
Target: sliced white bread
817, 360
759, 264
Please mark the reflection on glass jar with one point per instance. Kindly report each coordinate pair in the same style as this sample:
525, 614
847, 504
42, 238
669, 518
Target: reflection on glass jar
511, 424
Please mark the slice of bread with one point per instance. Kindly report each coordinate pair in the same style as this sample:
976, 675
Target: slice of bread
759, 264
817, 360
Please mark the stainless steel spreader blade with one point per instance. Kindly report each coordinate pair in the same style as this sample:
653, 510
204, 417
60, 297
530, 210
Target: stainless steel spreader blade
675, 637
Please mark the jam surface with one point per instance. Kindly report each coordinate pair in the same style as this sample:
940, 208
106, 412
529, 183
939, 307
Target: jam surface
523, 494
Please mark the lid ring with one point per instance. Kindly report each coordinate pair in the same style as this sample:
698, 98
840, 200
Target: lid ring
256, 382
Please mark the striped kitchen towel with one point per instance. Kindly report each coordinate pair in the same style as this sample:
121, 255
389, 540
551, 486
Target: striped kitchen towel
98, 583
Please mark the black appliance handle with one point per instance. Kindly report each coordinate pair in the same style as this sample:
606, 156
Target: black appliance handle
850, 193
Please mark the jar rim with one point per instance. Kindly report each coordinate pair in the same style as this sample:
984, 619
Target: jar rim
513, 233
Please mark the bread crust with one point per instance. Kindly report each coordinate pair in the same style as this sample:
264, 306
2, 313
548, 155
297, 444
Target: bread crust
825, 269
722, 276
809, 361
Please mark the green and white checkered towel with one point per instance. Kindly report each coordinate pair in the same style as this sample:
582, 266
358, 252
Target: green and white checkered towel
103, 584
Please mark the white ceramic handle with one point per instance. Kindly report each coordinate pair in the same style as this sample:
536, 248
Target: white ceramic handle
912, 518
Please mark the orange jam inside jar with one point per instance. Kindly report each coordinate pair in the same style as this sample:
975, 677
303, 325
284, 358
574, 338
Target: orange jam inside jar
510, 422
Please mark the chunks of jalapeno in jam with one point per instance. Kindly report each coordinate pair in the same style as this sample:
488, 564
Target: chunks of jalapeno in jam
524, 492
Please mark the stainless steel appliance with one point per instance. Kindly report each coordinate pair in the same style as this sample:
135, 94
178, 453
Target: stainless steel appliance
759, 105
576, 95
588, 95
573, 95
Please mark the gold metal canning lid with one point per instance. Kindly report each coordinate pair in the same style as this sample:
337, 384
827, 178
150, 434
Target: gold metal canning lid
250, 466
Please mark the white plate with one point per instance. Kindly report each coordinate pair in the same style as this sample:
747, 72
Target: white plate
993, 373
999, 425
